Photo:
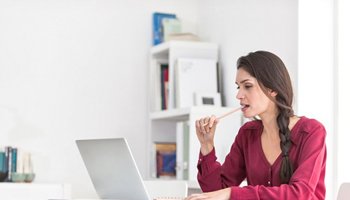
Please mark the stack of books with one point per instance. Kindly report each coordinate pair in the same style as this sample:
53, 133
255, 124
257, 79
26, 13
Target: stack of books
15, 165
167, 27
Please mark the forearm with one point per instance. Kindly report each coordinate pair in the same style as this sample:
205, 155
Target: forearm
209, 172
285, 191
210, 182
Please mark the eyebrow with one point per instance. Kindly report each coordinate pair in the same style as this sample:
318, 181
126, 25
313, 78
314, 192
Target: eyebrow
243, 81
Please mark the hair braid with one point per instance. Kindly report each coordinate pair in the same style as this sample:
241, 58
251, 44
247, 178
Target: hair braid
286, 170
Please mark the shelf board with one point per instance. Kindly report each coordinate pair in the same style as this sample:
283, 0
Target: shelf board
181, 114
162, 50
172, 114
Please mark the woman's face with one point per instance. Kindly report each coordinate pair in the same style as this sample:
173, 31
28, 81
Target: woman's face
251, 96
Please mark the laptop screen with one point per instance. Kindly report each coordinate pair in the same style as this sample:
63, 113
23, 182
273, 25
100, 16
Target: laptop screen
112, 168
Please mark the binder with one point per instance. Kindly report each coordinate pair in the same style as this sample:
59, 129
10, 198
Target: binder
182, 150
194, 76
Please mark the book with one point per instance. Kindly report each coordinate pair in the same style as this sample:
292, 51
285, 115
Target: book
170, 26
158, 26
164, 79
3, 166
165, 159
182, 37
27, 163
19, 165
2, 161
8, 155
14, 160
6, 160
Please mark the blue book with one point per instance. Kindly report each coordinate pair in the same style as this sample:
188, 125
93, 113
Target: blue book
2, 162
14, 160
169, 163
7, 158
157, 26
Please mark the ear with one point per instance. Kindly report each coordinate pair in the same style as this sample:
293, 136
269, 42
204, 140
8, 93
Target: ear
272, 93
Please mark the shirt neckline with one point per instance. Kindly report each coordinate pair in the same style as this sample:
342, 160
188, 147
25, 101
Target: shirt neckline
292, 133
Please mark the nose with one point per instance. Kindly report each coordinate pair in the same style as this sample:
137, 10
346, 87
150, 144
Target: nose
240, 95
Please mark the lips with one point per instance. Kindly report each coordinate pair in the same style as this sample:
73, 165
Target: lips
244, 107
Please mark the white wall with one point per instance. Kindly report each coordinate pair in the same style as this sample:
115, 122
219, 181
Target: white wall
244, 26
343, 95
72, 69
315, 75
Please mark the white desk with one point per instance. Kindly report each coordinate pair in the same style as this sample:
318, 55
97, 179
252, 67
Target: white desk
34, 191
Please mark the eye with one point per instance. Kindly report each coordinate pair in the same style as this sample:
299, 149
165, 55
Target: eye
238, 87
248, 86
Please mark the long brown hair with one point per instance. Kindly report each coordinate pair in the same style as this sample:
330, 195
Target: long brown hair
271, 73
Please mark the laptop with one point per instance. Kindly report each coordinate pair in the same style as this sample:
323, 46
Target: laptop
112, 169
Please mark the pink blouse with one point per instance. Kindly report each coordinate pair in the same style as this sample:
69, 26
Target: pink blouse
246, 160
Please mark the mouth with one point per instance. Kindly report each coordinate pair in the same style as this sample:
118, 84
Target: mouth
244, 107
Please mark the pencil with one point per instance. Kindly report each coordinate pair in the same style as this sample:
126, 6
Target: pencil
226, 114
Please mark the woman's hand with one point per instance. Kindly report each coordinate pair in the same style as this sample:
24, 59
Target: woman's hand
223, 194
205, 130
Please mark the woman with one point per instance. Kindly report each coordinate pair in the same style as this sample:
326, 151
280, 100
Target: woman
281, 155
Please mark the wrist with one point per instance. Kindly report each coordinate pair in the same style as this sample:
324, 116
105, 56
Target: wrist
206, 149
228, 193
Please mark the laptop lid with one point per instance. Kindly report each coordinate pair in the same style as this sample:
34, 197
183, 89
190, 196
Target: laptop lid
112, 169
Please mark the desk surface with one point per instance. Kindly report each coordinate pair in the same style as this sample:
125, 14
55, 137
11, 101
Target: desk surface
35, 191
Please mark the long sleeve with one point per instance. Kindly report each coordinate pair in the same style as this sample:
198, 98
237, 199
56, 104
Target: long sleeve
212, 176
307, 181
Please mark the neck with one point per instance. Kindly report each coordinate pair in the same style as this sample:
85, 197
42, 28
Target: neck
271, 129
269, 120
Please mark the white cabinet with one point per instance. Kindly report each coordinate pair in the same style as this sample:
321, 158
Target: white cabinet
164, 129
34, 191
175, 124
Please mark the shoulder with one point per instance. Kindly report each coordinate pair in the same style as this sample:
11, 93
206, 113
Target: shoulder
252, 125
251, 129
310, 126
307, 127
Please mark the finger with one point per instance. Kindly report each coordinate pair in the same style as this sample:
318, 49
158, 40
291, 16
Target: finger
202, 122
206, 121
198, 128
212, 121
197, 125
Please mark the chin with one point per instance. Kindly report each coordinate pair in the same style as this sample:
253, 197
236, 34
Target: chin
248, 116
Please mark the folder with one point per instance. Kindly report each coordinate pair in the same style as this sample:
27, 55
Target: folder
194, 76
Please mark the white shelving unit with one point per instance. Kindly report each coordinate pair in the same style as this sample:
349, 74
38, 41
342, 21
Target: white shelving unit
164, 124
168, 53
